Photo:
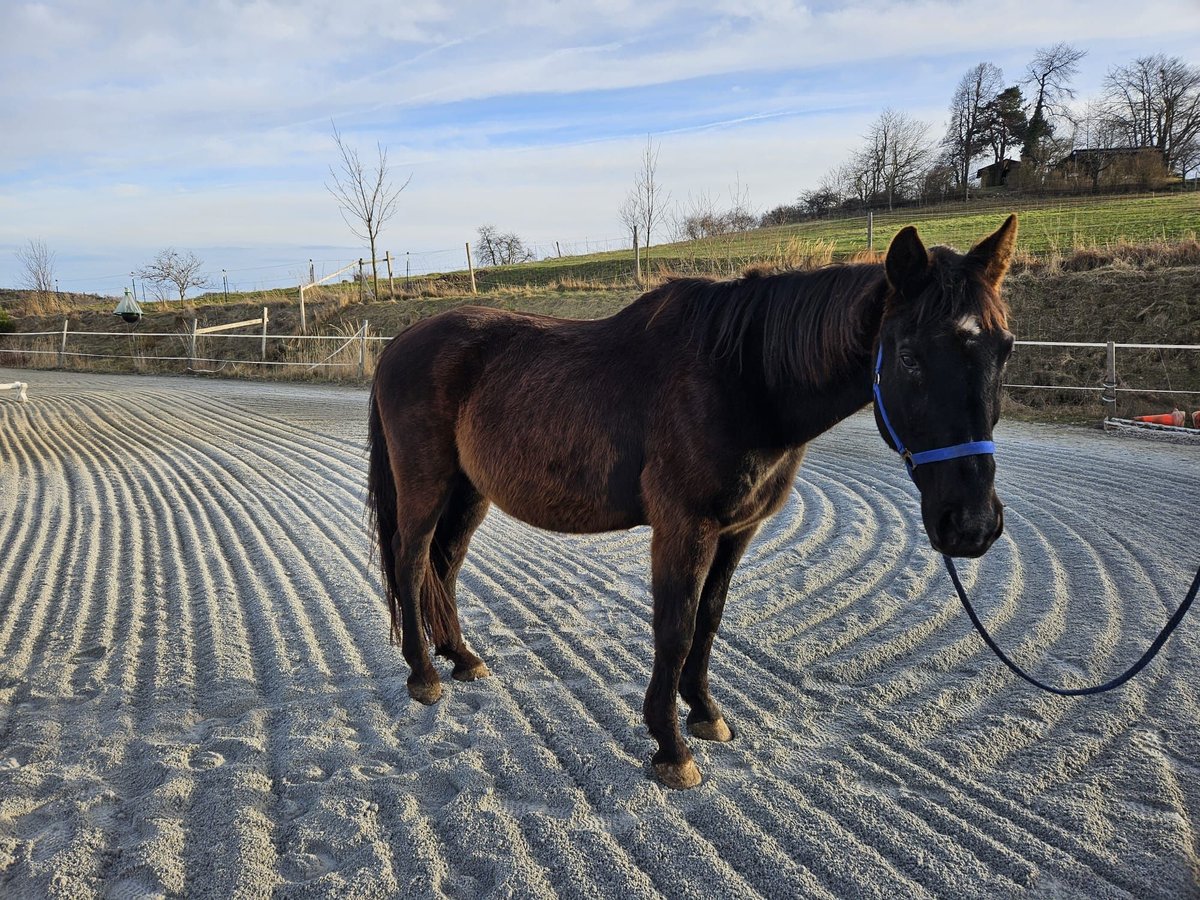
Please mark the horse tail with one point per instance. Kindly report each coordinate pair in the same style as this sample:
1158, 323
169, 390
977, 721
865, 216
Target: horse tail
384, 520
382, 513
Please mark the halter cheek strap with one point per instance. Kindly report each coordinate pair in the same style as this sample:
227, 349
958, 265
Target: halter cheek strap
912, 460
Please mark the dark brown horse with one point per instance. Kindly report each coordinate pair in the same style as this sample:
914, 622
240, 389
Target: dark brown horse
688, 411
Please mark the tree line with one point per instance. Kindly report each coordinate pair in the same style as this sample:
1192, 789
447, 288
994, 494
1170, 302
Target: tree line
1141, 132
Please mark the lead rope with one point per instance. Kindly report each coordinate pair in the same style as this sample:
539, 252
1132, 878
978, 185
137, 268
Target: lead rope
979, 448
1075, 692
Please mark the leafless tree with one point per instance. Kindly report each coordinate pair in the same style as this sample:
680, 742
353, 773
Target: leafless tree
646, 203
172, 267
1048, 77
965, 137
37, 265
366, 196
702, 216
1155, 102
496, 248
901, 146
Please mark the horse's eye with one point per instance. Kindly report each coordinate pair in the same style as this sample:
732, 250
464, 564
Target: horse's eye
907, 359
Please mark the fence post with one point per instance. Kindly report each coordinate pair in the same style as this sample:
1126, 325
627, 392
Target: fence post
360, 279
312, 273
192, 355
637, 256
870, 230
1109, 394
558, 249
471, 269
264, 338
62, 350
391, 284
303, 320
362, 351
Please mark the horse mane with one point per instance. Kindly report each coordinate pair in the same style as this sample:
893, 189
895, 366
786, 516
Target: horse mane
810, 325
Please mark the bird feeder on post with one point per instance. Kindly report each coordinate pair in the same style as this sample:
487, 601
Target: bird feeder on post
128, 309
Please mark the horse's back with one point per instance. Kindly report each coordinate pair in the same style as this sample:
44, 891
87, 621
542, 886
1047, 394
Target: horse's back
546, 417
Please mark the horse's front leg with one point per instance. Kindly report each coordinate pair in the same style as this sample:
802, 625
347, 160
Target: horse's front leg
705, 719
681, 555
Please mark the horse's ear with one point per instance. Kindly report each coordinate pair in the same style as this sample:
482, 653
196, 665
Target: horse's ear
907, 263
994, 253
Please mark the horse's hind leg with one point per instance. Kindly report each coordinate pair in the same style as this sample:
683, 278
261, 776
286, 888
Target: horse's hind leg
422, 493
464, 511
705, 720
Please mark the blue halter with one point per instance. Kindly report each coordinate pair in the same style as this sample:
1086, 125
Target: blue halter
912, 460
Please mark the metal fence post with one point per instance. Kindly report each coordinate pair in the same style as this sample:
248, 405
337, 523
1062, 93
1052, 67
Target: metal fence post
62, 349
1109, 393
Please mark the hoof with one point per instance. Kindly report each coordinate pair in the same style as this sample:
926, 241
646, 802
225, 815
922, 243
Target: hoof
479, 670
711, 731
678, 775
425, 692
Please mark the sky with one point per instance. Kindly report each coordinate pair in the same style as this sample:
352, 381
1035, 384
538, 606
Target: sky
128, 127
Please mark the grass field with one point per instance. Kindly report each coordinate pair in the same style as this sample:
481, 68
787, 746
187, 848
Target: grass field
1057, 226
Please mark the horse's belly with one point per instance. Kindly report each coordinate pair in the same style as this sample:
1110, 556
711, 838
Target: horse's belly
563, 493
554, 505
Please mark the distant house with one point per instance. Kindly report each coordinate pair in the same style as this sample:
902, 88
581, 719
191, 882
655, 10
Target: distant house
1113, 165
996, 175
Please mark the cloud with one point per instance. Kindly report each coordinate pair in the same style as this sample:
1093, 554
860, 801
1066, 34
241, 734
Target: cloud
209, 121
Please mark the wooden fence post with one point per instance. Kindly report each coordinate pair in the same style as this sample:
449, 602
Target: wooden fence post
303, 320
264, 337
360, 279
558, 249
391, 284
471, 269
870, 231
362, 351
62, 350
637, 256
192, 355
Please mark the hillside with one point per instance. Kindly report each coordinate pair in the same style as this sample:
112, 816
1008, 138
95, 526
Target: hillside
1123, 269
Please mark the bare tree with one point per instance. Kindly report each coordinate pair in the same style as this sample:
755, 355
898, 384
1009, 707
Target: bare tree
171, 267
366, 197
37, 267
1155, 102
965, 137
646, 203
901, 147
500, 249
1048, 77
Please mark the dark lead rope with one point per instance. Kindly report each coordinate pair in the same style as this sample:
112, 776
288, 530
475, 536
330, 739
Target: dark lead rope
980, 448
1075, 692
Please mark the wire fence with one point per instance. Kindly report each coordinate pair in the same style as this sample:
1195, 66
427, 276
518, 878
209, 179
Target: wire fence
354, 353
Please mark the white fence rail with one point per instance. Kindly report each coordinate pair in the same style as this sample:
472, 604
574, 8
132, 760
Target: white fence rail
1108, 389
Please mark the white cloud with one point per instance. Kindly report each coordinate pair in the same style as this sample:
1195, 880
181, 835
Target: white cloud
143, 123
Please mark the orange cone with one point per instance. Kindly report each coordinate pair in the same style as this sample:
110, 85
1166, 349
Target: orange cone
1176, 418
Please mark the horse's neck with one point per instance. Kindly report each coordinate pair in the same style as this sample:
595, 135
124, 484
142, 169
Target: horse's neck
805, 409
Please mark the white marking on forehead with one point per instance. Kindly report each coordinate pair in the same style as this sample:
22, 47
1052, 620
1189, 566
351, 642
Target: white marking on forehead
969, 325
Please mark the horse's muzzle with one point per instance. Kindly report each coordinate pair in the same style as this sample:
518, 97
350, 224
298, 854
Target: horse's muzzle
960, 531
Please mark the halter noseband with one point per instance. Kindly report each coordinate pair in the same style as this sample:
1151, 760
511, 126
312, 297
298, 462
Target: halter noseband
912, 460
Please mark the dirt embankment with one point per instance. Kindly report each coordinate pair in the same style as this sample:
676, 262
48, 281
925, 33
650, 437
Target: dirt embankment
1121, 302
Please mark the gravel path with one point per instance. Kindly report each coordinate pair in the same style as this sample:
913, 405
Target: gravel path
197, 695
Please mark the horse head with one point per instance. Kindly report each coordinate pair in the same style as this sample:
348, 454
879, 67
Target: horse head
941, 351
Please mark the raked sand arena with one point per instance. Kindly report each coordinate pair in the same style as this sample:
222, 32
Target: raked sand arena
198, 697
